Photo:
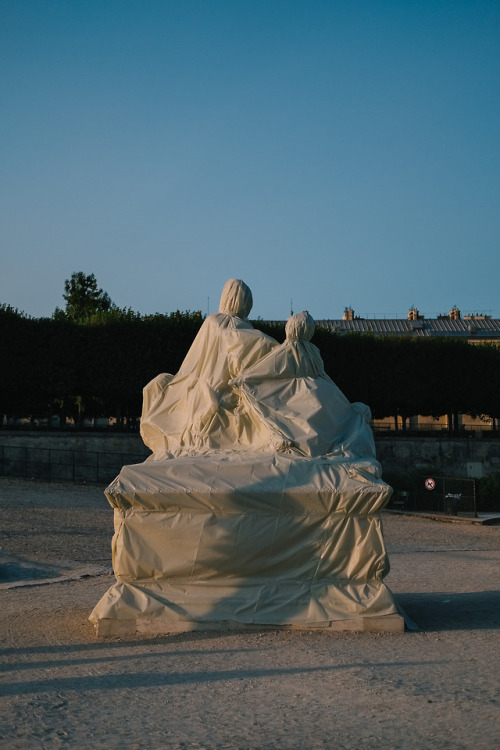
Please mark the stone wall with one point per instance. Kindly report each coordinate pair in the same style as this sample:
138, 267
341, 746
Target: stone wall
73, 457
464, 456
102, 442
460, 457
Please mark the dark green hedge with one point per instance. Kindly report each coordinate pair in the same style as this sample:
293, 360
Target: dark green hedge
103, 365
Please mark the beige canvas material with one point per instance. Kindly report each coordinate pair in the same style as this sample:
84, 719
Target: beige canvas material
198, 411
301, 405
261, 502
250, 539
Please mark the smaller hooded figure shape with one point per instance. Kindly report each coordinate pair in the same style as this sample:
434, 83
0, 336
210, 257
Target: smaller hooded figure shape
197, 410
303, 408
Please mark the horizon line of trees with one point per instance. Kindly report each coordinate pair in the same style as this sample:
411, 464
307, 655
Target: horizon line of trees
93, 359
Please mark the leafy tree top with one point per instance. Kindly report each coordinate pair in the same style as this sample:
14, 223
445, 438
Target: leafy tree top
83, 297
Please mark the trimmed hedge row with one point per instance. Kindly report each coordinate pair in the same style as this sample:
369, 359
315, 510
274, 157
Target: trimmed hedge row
100, 367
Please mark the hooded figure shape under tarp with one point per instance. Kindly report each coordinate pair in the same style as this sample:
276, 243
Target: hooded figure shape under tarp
302, 407
197, 411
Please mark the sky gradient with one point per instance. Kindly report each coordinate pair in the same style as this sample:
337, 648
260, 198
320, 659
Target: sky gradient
330, 153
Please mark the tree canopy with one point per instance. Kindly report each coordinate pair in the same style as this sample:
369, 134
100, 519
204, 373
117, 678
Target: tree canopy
84, 298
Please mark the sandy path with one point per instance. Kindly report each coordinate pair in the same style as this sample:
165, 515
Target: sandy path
437, 688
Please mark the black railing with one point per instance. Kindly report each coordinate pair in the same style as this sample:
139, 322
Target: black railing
451, 496
64, 465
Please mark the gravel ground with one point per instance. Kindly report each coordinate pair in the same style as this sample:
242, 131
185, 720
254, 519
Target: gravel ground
60, 687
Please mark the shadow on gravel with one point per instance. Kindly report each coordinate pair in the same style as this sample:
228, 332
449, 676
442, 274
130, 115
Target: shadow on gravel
191, 641
133, 680
443, 611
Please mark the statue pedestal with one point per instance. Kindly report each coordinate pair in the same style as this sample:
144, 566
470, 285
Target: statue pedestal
229, 541
163, 626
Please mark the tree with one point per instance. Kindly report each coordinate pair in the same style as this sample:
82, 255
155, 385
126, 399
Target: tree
84, 298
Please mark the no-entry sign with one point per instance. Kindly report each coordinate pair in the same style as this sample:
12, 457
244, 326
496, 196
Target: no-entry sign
430, 484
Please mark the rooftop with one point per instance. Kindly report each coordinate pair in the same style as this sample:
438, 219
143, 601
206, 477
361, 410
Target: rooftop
477, 327
472, 326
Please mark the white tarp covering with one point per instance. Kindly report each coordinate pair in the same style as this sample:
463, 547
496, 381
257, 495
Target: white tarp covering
198, 411
261, 502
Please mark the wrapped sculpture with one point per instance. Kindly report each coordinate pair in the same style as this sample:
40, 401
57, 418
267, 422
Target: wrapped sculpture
261, 502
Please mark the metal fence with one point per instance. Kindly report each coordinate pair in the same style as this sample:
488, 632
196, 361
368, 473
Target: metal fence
447, 495
65, 465
452, 496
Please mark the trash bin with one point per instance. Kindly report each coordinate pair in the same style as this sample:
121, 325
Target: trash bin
451, 503
400, 500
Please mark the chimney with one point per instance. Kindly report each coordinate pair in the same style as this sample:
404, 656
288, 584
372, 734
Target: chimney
413, 314
348, 314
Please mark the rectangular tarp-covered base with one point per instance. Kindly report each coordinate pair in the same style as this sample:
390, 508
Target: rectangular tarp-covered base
260, 541
157, 609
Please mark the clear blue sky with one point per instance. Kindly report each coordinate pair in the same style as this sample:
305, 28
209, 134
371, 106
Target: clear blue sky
337, 153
